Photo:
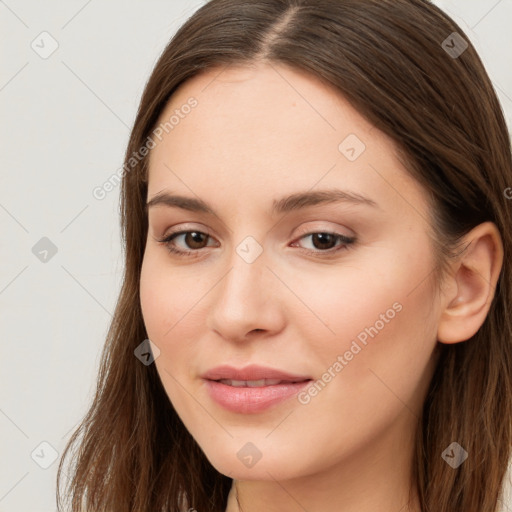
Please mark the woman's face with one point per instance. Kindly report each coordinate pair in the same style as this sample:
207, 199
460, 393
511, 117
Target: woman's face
337, 291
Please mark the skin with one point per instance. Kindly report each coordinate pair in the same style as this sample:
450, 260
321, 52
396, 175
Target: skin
259, 133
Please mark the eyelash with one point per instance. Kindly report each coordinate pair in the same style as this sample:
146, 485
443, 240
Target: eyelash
346, 243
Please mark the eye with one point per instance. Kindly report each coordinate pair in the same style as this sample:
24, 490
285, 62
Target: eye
193, 239
326, 242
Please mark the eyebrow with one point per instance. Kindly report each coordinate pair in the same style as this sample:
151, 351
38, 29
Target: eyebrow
286, 204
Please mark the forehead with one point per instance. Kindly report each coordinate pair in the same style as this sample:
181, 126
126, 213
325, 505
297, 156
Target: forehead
273, 106
267, 128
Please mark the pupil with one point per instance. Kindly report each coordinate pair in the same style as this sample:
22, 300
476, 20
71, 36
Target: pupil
325, 238
194, 238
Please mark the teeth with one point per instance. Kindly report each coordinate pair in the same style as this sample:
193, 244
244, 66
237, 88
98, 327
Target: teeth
250, 383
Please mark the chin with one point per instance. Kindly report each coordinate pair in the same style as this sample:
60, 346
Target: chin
237, 464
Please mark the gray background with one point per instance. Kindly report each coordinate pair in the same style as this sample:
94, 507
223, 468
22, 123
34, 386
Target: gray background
65, 124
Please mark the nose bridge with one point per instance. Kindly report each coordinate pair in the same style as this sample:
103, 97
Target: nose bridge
247, 265
245, 298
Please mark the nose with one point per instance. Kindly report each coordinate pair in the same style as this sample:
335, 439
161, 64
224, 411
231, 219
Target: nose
247, 300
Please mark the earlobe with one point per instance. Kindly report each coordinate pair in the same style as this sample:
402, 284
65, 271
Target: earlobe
474, 276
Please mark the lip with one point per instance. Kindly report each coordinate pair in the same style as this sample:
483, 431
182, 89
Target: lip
251, 372
250, 400
247, 400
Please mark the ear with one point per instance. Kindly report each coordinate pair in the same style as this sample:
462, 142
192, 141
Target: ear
471, 284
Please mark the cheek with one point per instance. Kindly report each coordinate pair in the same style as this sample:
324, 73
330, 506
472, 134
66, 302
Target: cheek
163, 304
167, 296
378, 363
169, 302
377, 316
151, 296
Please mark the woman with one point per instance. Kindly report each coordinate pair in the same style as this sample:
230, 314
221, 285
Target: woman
317, 230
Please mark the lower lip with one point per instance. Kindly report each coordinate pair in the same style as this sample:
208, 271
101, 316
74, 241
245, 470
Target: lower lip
252, 400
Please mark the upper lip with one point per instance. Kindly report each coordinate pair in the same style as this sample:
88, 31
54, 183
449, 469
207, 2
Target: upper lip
251, 372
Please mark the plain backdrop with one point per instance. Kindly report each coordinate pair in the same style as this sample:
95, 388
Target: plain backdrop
66, 118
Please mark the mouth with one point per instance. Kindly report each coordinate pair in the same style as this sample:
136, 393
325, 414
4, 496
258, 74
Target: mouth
253, 396
257, 383
252, 375
253, 388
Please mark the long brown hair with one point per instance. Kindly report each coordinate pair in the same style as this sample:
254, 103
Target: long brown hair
390, 59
